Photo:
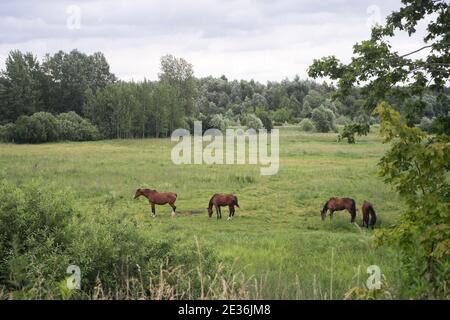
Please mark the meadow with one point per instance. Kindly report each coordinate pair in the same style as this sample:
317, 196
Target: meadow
276, 240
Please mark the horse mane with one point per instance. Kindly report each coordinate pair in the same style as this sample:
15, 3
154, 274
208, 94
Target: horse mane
211, 201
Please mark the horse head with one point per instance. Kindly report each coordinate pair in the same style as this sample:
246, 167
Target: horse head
139, 192
210, 211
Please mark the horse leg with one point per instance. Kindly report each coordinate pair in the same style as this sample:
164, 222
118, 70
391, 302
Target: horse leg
220, 212
217, 212
331, 215
173, 209
153, 210
230, 216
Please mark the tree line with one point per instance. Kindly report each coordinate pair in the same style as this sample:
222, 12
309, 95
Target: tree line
84, 86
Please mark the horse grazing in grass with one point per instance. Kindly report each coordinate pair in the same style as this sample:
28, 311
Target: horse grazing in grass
338, 204
222, 200
160, 198
368, 210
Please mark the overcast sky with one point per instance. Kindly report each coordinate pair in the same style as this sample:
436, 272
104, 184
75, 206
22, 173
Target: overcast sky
246, 39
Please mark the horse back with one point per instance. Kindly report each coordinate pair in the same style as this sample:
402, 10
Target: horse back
163, 197
223, 199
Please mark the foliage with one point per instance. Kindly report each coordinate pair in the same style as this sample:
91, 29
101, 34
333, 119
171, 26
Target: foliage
250, 120
37, 128
282, 115
323, 119
68, 77
34, 233
418, 169
265, 118
425, 124
218, 121
342, 120
349, 131
20, 86
7, 133
307, 125
441, 125
72, 127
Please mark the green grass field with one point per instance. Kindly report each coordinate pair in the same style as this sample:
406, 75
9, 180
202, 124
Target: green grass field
276, 238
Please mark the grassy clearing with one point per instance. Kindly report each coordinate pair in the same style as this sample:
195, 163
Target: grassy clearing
277, 237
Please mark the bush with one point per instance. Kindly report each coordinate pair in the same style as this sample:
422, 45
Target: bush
342, 120
44, 127
37, 128
441, 125
42, 233
323, 119
218, 121
265, 119
307, 125
252, 121
282, 115
72, 127
425, 124
34, 233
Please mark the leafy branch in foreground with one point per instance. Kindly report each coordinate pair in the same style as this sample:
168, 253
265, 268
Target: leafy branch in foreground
417, 167
349, 131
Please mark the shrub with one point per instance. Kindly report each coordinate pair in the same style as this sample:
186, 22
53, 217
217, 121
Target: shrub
425, 124
42, 233
37, 128
282, 115
265, 119
252, 121
441, 125
72, 127
218, 121
307, 125
323, 119
34, 233
342, 120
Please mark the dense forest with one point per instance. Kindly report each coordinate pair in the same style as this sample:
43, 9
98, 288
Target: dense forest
75, 96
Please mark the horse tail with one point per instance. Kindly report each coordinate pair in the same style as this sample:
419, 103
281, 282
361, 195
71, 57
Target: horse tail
373, 217
353, 210
325, 207
236, 202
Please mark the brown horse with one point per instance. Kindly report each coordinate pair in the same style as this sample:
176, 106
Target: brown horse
368, 210
222, 200
338, 204
159, 198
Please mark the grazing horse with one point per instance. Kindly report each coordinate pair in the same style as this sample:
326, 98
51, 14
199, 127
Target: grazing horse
338, 204
159, 198
368, 210
222, 200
